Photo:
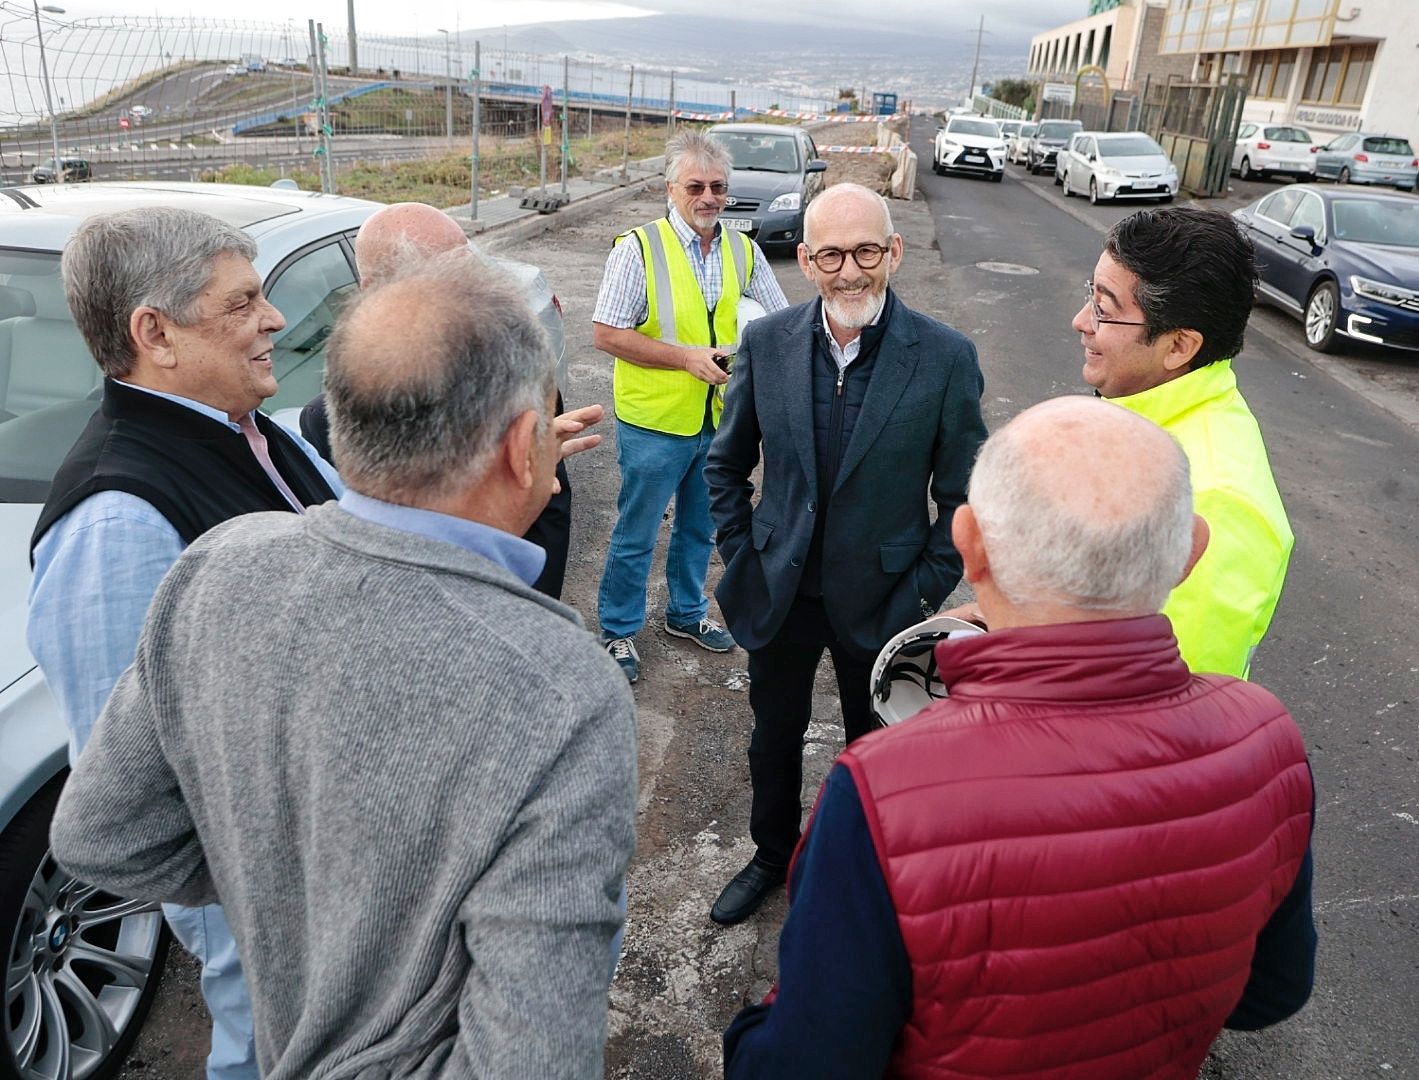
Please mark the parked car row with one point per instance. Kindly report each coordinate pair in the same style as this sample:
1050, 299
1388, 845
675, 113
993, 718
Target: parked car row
1359, 157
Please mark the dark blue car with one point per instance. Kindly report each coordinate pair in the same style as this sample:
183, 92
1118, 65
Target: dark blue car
1344, 261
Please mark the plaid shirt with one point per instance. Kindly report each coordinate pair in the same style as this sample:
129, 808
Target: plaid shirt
622, 299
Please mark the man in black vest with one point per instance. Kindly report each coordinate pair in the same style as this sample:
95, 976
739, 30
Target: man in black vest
172, 309
864, 409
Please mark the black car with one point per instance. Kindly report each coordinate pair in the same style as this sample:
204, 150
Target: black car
1050, 139
75, 168
777, 172
1344, 261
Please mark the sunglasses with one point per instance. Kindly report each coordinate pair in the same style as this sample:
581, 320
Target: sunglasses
696, 188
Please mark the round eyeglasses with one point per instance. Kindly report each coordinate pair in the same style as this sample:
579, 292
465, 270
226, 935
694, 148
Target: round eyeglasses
830, 260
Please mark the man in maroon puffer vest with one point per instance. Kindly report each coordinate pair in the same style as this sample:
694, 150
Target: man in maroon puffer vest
1085, 862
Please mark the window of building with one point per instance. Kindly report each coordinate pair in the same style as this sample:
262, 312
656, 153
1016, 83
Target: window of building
1271, 73
1339, 75
1217, 25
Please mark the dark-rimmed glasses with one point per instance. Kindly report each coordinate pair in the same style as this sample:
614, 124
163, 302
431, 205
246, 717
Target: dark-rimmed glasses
696, 188
1096, 313
830, 260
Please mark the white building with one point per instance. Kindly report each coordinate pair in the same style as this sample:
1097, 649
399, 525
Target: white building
1327, 65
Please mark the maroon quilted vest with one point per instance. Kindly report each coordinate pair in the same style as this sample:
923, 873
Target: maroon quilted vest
1082, 844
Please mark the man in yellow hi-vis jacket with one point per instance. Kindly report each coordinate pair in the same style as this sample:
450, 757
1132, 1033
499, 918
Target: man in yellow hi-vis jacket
1165, 313
668, 313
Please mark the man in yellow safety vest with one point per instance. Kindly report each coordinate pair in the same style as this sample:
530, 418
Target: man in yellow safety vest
1165, 313
668, 313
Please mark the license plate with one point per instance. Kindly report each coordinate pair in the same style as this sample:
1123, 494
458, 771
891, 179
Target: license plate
740, 224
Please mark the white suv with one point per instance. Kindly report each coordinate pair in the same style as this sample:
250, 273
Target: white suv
970, 144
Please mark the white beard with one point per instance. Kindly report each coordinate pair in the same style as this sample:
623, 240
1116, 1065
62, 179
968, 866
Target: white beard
855, 314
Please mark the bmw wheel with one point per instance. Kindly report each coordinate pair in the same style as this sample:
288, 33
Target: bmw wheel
1322, 317
81, 966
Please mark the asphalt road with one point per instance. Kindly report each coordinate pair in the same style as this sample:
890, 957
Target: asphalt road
1341, 652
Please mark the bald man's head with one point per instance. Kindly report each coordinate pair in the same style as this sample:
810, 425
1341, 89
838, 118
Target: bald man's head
1083, 504
425, 372
401, 234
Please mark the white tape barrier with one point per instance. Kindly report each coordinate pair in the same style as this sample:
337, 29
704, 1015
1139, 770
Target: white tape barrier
860, 149
835, 118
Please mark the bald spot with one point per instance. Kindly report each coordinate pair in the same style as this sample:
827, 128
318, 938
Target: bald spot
842, 200
395, 337
400, 231
1099, 462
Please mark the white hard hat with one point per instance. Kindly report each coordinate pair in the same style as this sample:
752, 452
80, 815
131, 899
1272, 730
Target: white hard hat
904, 678
748, 310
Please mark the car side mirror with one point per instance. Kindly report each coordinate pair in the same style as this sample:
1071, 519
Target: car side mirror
817, 165
1093, 157
1306, 233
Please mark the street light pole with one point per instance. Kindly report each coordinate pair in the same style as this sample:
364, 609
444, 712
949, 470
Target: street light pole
48, 95
447, 60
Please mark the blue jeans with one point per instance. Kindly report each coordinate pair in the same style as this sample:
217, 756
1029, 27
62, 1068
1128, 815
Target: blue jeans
655, 467
204, 933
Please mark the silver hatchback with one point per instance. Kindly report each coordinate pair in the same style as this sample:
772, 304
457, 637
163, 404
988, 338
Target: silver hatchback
1368, 157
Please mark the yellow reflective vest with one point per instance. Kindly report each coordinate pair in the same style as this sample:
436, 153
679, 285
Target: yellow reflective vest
665, 399
1220, 612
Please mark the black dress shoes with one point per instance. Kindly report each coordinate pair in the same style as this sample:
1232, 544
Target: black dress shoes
743, 895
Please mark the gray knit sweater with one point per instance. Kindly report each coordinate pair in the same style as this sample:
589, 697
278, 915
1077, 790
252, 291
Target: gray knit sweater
408, 778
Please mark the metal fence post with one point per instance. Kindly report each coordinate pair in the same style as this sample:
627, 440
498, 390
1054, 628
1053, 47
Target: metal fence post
477, 74
670, 107
626, 141
566, 140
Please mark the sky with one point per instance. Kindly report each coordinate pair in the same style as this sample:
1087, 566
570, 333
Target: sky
1011, 17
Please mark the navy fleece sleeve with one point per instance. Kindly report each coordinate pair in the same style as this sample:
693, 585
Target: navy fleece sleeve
1283, 967
844, 987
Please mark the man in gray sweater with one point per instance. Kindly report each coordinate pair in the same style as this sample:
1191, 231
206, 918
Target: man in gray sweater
408, 776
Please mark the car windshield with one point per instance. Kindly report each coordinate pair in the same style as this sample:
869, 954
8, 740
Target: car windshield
1286, 134
1129, 146
760, 153
1059, 129
1376, 221
1010, 127
1388, 145
973, 127
1027, 131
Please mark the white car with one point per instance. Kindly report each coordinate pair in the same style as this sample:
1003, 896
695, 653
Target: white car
1118, 165
83, 966
1274, 149
970, 144
1010, 131
1018, 153
139, 111
1061, 161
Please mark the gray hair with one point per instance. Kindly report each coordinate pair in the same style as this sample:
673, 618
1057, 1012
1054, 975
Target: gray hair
688, 144
1045, 546
845, 190
425, 372
157, 256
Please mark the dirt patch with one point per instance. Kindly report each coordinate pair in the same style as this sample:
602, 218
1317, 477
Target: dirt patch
873, 171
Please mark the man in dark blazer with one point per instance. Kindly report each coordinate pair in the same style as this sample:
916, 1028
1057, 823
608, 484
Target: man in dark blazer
864, 409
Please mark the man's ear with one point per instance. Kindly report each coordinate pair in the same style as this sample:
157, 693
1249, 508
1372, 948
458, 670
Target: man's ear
1201, 533
148, 328
966, 535
519, 449
803, 263
1186, 344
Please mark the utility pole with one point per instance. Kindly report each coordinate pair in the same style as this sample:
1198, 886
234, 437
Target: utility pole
354, 51
626, 142
477, 74
48, 98
975, 67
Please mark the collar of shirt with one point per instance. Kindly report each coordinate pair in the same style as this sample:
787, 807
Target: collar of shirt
690, 238
843, 355
195, 406
517, 556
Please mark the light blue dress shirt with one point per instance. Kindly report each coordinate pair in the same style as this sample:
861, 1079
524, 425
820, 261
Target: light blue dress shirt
517, 556
96, 570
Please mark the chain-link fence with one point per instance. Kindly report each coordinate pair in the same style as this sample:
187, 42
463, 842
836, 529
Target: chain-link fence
165, 97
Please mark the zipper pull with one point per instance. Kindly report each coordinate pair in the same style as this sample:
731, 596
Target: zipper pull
841, 373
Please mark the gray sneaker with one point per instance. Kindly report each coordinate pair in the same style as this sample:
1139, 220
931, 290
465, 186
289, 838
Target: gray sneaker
707, 634
623, 651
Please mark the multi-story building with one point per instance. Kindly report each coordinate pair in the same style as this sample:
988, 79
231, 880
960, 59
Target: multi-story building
1118, 36
1326, 65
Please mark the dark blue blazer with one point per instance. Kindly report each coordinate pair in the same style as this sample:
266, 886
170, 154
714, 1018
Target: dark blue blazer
886, 565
